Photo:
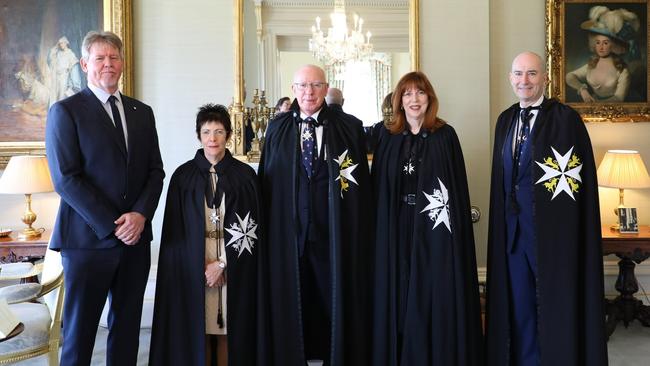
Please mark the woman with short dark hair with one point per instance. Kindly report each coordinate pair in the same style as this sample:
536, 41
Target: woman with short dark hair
206, 287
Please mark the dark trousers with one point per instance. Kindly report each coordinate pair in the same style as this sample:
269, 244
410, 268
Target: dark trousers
523, 305
89, 277
315, 294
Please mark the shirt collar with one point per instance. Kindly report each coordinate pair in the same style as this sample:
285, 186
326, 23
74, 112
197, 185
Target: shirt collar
303, 116
102, 95
536, 104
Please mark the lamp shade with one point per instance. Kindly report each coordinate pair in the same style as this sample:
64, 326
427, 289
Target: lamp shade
623, 169
26, 174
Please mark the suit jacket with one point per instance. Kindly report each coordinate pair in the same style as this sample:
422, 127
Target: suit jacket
521, 221
97, 179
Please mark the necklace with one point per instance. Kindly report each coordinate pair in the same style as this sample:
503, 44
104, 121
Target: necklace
214, 215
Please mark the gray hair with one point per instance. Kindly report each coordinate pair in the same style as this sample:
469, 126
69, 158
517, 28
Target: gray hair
106, 37
334, 96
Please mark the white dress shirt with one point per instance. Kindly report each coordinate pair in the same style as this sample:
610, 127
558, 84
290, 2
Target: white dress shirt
103, 96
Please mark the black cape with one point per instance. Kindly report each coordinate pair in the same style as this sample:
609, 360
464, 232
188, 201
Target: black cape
571, 318
350, 236
442, 321
178, 334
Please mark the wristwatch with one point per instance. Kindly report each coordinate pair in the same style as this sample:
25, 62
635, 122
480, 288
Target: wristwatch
222, 265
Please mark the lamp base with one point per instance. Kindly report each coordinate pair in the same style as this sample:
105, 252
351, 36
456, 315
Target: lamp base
29, 233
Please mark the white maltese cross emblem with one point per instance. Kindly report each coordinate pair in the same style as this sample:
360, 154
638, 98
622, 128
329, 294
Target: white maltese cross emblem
243, 234
561, 174
438, 207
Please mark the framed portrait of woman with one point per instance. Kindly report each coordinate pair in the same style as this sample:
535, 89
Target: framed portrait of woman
40, 47
597, 55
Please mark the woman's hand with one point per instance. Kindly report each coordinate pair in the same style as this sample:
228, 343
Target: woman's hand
215, 274
584, 93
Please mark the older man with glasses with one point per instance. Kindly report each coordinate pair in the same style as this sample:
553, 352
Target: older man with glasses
317, 196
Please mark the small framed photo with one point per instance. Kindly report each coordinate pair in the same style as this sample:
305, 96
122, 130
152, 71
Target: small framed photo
627, 220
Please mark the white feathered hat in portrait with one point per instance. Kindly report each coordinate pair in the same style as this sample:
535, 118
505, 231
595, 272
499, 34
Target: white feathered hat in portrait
620, 25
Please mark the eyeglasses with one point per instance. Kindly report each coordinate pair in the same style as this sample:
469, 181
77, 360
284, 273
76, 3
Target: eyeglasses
318, 85
219, 132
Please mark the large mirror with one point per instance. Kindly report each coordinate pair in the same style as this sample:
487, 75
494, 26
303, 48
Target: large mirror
272, 39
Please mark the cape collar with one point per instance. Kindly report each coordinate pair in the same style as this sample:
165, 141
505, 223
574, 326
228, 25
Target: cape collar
546, 104
322, 115
204, 165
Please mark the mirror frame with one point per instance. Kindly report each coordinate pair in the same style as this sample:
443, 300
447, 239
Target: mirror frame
237, 143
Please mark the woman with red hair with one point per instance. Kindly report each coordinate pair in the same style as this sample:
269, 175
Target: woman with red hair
426, 303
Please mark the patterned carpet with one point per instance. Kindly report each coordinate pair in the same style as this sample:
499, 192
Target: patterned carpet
627, 347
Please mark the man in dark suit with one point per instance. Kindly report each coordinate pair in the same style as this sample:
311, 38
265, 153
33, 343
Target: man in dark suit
103, 153
545, 267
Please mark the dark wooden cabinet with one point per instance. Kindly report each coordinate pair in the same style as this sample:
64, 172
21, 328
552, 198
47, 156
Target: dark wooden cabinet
14, 250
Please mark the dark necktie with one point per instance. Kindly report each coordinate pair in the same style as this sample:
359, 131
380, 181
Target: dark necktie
522, 133
309, 145
117, 119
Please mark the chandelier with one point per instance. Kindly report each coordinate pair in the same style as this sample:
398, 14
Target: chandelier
340, 44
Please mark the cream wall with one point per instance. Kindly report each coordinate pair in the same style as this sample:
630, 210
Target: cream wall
401, 65
454, 44
183, 58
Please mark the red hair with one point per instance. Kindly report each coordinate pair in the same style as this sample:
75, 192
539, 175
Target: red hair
416, 80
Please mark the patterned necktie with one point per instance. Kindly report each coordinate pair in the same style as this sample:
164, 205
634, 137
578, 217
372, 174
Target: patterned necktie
117, 119
523, 133
525, 115
309, 145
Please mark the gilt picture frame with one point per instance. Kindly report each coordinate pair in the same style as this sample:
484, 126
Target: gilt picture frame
597, 58
40, 47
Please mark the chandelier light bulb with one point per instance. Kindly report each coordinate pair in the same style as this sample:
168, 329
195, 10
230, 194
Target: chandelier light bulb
341, 43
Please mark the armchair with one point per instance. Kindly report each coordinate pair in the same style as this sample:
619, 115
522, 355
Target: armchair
40, 313
12, 273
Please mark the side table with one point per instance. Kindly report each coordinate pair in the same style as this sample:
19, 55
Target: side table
14, 250
632, 249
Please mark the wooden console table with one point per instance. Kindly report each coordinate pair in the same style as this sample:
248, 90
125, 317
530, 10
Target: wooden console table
14, 250
632, 249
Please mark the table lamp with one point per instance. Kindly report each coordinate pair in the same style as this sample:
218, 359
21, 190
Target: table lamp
27, 174
622, 169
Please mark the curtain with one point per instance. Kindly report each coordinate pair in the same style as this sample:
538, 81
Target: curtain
380, 71
368, 81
